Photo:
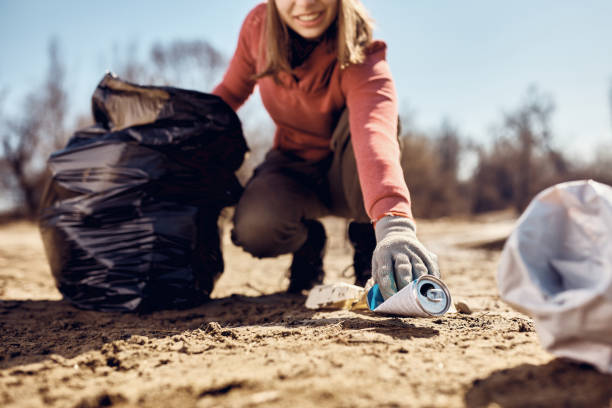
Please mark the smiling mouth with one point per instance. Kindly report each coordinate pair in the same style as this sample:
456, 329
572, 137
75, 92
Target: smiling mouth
309, 17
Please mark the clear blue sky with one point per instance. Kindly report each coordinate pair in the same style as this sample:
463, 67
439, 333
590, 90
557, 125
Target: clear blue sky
467, 61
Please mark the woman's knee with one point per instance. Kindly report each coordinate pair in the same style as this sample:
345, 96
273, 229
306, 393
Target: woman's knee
264, 234
252, 233
268, 217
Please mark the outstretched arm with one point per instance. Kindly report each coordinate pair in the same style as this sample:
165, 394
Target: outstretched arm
399, 257
372, 104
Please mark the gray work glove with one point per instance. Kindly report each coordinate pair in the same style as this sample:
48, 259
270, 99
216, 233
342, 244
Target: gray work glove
399, 257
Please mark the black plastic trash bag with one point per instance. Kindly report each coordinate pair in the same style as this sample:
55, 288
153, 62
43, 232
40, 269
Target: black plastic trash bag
129, 214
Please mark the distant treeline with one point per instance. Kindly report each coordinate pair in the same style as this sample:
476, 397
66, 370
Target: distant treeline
519, 160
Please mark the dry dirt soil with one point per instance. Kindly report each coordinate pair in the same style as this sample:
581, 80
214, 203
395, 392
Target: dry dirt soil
254, 345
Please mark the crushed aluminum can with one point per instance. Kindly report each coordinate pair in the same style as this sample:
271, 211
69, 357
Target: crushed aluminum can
424, 297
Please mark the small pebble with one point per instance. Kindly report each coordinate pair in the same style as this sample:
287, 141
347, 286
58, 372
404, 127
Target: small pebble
264, 396
463, 308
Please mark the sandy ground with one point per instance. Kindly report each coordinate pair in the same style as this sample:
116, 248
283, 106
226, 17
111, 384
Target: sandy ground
256, 346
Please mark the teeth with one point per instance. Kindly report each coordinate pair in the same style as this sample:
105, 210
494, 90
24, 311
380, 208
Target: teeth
309, 17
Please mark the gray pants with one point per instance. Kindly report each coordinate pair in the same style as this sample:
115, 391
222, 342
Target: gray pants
285, 190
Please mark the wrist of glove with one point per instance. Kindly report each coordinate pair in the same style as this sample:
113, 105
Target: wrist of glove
399, 256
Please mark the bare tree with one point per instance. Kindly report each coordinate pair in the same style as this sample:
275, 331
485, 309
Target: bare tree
192, 64
27, 140
522, 160
492, 184
449, 149
529, 128
431, 167
55, 102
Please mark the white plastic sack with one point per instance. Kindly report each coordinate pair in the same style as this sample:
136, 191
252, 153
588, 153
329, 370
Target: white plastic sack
557, 267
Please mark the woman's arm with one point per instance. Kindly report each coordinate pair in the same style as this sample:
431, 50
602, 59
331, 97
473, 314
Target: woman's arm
238, 83
372, 104
399, 257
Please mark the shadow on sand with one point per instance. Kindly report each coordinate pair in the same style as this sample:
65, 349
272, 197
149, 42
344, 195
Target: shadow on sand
32, 330
559, 383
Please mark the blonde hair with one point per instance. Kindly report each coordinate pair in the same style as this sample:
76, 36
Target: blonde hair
349, 36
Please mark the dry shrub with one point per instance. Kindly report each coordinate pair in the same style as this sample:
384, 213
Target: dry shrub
522, 161
431, 175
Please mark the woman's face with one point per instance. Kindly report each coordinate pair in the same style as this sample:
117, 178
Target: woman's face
309, 18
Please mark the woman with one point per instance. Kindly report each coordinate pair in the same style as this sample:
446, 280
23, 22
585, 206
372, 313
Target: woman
328, 88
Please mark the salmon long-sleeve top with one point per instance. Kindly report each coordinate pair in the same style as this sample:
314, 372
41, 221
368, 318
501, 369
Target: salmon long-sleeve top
305, 105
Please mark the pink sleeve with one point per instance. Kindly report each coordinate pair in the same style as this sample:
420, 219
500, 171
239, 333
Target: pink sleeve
372, 103
238, 84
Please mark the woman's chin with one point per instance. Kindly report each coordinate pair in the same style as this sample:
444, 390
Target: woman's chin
310, 33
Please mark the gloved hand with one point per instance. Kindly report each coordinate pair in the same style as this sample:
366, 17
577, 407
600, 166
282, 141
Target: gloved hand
399, 257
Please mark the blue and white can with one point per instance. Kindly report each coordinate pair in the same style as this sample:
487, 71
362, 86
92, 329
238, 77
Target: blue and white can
424, 297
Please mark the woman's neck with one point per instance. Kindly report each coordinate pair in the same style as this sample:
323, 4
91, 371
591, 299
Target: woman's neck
300, 48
